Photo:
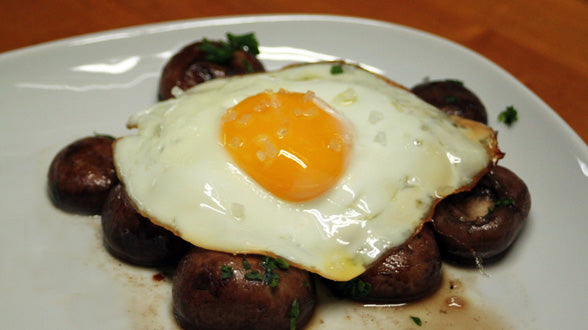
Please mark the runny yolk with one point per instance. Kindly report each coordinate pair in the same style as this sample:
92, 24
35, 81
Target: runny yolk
291, 143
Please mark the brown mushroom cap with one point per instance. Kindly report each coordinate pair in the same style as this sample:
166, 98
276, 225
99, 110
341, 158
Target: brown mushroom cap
408, 272
190, 67
453, 98
217, 290
484, 222
81, 175
132, 238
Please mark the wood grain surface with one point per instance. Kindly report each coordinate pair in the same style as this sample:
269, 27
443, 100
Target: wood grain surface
542, 43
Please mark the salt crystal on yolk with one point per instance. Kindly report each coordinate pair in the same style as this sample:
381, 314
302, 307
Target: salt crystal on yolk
292, 144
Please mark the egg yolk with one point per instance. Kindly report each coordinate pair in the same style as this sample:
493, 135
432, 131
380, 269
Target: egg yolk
292, 144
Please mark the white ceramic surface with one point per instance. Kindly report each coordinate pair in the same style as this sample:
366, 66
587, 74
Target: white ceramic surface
54, 273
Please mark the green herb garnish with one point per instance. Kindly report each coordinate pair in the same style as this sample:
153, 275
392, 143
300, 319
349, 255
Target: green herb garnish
337, 69
417, 320
455, 81
508, 116
269, 277
306, 284
108, 136
226, 272
246, 42
450, 99
221, 51
282, 264
293, 314
270, 264
248, 67
272, 279
254, 276
504, 201
246, 264
355, 288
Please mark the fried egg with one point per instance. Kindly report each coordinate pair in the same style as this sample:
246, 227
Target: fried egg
326, 169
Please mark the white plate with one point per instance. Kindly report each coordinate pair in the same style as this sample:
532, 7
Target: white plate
54, 273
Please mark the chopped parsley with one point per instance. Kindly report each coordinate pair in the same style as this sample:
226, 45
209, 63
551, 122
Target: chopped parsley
248, 67
246, 42
293, 314
226, 272
455, 81
254, 276
221, 51
282, 264
269, 276
337, 69
216, 52
417, 320
272, 279
504, 201
355, 288
509, 116
270, 264
246, 264
306, 284
450, 99
108, 136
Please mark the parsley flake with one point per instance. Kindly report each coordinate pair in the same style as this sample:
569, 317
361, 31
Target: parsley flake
417, 320
509, 116
248, 67
282, 264
246, 264
504, 201
355, 288
254, 276
217, 52
269, 264
450, 99
246, 42
293, 314
226, 272
270, 277
455, 81
221, 51
108, 136
337, 69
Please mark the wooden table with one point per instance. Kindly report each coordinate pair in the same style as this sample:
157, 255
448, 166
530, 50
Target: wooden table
542, 43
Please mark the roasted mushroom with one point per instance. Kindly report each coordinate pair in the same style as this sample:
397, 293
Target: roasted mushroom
81, 175
216, 290
453, 98
484, 222
205, 60
133, 238
406, 273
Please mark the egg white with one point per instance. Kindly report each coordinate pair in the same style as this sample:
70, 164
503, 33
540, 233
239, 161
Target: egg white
406, 155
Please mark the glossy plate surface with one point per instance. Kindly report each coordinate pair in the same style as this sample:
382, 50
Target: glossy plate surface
54, 273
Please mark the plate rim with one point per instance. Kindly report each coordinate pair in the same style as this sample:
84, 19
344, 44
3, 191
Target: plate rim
189, 23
